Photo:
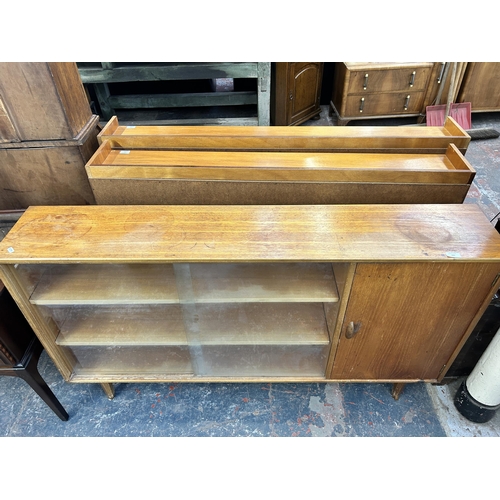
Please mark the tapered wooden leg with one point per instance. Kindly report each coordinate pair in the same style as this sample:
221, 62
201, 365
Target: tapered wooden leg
397, 389
109, 390
29, 373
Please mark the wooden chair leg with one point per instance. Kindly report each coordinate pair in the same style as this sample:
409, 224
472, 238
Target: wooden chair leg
397, 389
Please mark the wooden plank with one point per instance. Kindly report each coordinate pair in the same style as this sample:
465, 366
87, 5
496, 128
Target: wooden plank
459, 162
183, 100
168, 71
220, 324
319, 233
212, 283
110, 128
367, 138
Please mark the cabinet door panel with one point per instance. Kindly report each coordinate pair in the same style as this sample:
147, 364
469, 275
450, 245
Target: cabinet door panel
305, 88
408, 318
481, 86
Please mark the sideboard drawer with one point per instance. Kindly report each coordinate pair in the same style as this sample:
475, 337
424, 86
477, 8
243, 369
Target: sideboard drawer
387, 80
383, 104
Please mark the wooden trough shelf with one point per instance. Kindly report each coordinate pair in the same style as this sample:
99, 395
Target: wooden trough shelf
359, 139
276, 176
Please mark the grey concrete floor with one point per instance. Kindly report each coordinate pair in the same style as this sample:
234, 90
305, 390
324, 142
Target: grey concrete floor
292, 410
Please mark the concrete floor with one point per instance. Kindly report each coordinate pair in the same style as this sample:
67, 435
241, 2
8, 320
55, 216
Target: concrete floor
303, 410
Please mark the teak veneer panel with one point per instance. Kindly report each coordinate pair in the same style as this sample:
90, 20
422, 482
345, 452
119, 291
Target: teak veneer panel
248, 138
423, 311
307, 233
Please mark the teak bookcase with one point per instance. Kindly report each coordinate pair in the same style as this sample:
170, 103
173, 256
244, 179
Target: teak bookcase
252, 293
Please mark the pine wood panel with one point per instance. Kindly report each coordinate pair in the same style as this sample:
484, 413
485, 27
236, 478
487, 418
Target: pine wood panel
411, 316
247, 138
320, 233
219, 324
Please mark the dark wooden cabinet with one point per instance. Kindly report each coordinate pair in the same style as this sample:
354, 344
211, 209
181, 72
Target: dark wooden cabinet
296, 88
20, 350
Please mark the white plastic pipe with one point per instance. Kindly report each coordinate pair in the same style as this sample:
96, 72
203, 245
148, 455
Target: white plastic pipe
483, 383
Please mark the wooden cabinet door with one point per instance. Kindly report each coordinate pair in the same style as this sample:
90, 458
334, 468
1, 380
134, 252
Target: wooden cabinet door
304, 84
296, 92
481, 86
407, 319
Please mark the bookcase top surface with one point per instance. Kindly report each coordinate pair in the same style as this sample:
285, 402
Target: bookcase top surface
278, 233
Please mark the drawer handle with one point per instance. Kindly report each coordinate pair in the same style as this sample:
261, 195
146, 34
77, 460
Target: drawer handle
407, 101
352, 329
361, 104
365, 83
412, 78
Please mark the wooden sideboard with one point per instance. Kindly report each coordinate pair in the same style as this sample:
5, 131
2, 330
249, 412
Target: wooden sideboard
252, 293
364, 90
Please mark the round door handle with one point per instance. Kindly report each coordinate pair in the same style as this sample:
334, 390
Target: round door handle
352, 329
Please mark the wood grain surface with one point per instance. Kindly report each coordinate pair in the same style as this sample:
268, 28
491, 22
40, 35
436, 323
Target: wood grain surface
321, 233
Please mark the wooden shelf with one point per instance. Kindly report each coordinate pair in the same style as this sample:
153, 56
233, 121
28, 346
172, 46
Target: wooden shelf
210, 283
265, 361
132, 360
451, 168
106, 284
359, 139
220, 324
